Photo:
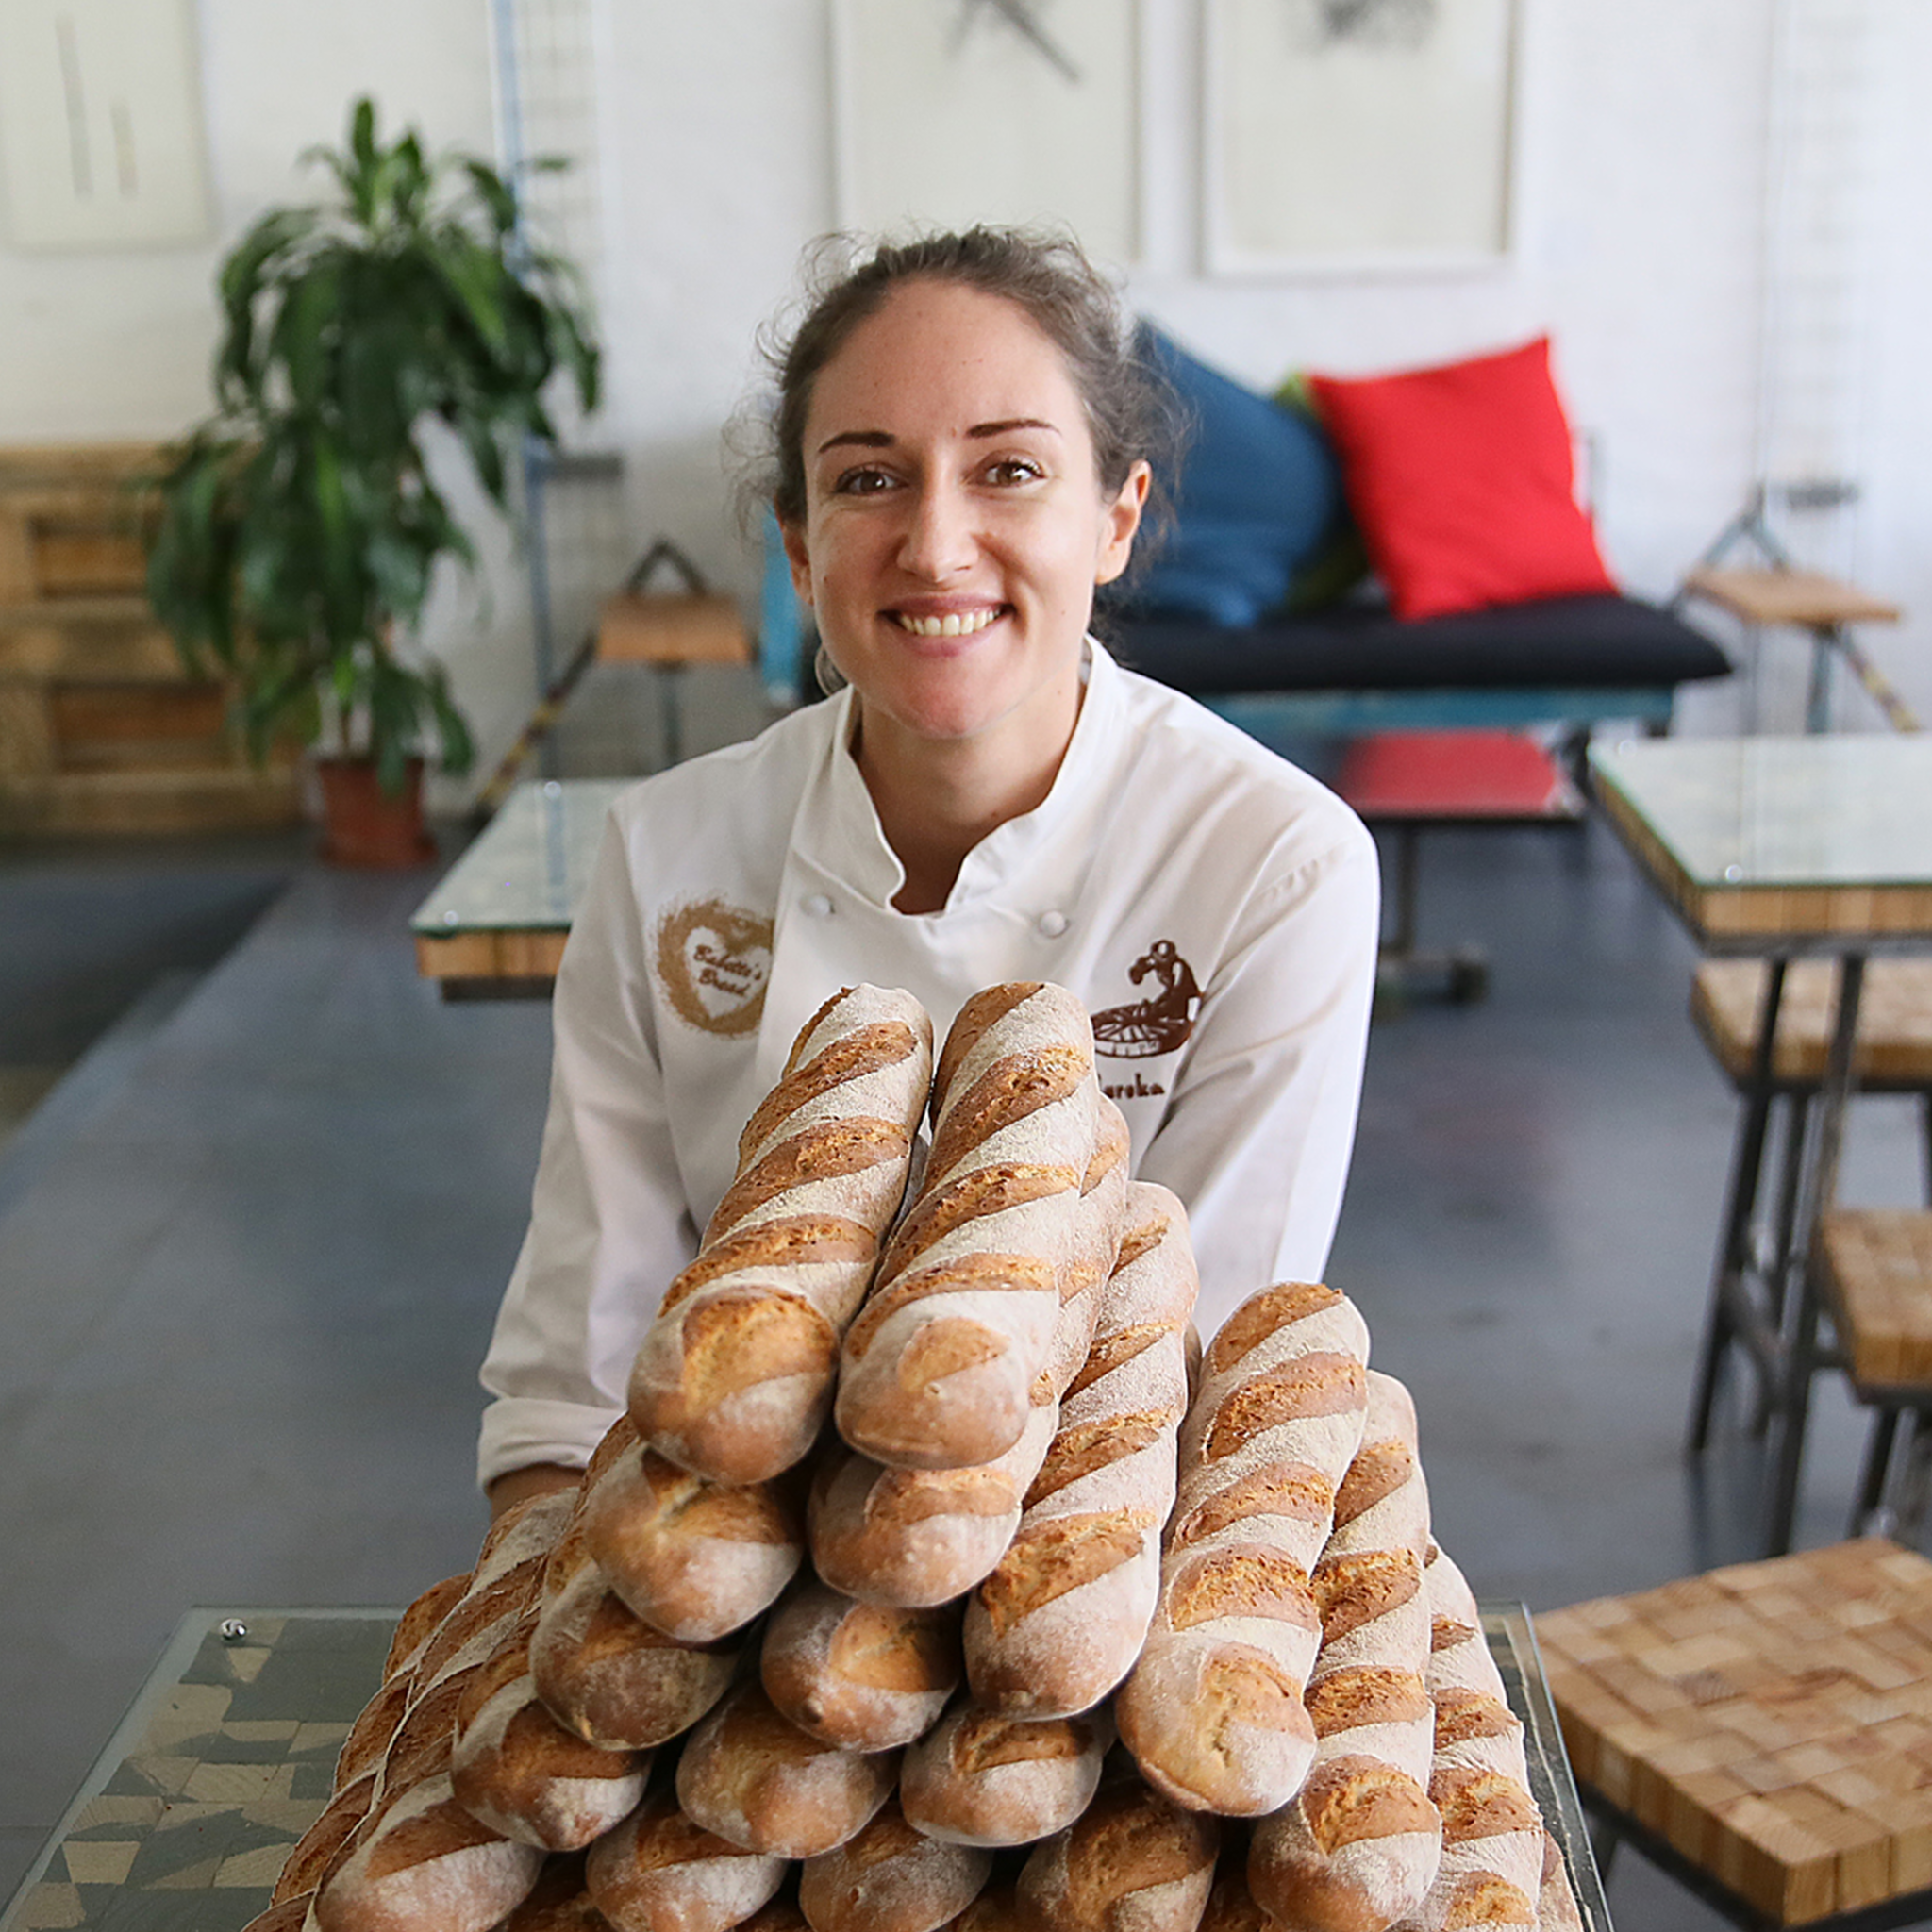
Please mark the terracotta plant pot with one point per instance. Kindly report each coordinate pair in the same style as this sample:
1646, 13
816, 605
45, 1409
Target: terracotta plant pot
364, 826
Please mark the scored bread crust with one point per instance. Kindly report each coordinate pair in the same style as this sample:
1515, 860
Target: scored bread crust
659, 1871
1358, 1845
890, 1877
938, 1370
734, 1377
1063, 1617
1132, 1859
868, 1676
1212, 1711
1491, 1871
978, 1778
753, 1776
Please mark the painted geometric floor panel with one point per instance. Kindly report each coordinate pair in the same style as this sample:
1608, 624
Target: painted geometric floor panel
224, 1762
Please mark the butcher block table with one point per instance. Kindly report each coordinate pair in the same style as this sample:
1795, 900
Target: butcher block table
1766, 1726
496, 925
226, 1758
1783, 848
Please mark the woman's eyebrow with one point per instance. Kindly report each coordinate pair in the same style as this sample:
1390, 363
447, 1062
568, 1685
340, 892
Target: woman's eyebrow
884, 439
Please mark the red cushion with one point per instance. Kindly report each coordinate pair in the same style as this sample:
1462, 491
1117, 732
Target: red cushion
1462, 481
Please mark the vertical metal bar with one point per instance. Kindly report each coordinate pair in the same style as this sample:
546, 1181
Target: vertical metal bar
1817, 698
1747, 1161
1815, 1191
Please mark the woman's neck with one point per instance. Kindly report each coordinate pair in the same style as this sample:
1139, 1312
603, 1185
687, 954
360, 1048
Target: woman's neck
938, 799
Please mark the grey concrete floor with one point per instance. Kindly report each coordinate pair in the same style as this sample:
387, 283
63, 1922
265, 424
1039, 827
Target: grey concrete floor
250, 1246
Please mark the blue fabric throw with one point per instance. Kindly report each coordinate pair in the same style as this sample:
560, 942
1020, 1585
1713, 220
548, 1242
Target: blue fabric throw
1259, 495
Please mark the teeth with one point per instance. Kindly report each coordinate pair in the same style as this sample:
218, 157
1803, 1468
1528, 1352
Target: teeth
951, 625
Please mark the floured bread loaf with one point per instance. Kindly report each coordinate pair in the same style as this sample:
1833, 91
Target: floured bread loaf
1062, 1619
939, 1369
978, 1778
891, 1878
1214, 1710
659, 1872
735, 1375
1357, 1846
1132, 1859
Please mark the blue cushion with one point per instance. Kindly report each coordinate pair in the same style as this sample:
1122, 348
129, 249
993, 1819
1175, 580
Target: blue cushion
1260, 491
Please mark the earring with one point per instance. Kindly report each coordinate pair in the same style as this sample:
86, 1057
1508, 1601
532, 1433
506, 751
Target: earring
831, 680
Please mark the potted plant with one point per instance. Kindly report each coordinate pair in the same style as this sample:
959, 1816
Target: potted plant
296, 529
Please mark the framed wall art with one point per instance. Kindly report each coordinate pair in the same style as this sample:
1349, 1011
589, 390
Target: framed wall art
1357, 135
100, 125
954, 111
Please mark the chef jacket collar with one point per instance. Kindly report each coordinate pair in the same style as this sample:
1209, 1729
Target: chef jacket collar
838, 829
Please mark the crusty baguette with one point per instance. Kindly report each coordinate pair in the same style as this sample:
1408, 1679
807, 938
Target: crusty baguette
427, 1862
694, 1559
285, 1915
1212, 1711
1131, 1859
1061, 1621
735, 1375
369, 1737
868, 1676
938, 1370
1491, 1872
978, 1778
657, 1871
604, 1673
1357, 1846
753, 1777
891, 1878
323, 1846
419, 1623
518, 1771
1557, 1909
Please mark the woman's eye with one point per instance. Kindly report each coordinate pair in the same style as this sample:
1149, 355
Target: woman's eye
1014, 470
861, 482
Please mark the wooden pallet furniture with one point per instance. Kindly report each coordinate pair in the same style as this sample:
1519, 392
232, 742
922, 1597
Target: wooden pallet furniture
1763, 1732
101, 729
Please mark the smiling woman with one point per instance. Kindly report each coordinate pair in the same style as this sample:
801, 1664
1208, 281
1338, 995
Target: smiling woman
961, 442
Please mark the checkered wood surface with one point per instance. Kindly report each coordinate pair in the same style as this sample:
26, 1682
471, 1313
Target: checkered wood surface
1894, 1046
1772, 1722
1875, 1264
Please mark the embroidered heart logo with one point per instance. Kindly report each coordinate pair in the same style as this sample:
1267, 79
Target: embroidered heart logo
714, 961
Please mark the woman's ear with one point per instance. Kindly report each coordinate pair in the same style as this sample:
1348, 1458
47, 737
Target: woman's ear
1120, 519
792, 536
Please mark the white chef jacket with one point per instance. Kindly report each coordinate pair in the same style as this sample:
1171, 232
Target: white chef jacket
1214, 908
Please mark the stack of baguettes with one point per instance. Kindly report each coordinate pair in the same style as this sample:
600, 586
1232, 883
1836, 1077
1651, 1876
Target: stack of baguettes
915, 1591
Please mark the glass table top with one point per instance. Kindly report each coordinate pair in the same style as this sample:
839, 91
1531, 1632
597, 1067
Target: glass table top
227, 1756
529, 866
1784, 812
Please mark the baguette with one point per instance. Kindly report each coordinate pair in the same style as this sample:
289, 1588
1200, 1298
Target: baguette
604, 1673
419, 1623
753, 1777
734, 1377
1212, 1711
938, 1371
1491, 1871
657, 1871
558, 1902
867, 1676
1131, 1859
1357, 1846
520, 1771
978, 1778
1062, 1619
424, 1862
325, 1844
371, 1735
1557, 1909
693, 1559
891, 1878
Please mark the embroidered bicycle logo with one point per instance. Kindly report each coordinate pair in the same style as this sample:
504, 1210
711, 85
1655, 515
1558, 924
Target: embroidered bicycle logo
713, 961
1162, 1021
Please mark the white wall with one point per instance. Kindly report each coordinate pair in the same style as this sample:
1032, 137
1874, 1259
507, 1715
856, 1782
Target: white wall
1642, 192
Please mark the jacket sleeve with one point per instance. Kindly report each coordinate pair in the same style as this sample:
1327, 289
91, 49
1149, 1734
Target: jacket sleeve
609, 1224
1257, 1135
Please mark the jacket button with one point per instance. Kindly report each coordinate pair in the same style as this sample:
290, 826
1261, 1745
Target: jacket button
1053, 924
818, 905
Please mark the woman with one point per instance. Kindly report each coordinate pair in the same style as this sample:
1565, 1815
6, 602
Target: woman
960, 460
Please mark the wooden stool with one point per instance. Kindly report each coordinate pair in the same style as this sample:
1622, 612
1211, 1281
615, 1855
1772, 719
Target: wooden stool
1763, 1732
1893, 1055
1874, 1271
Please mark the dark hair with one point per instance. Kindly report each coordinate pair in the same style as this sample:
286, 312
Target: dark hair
1131, 414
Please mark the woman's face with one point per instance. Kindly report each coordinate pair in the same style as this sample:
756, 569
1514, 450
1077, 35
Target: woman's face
955, 526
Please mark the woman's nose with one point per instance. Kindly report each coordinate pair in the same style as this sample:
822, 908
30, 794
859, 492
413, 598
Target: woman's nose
938, 542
